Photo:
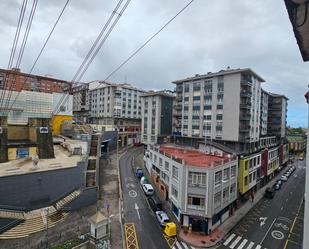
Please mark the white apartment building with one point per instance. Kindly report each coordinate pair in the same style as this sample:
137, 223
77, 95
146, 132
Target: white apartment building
116, 107
81, 102
200, 187
225, 105
157, 116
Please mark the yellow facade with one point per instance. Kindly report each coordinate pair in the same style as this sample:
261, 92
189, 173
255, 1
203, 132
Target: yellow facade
243, 181
57, 121
12, 153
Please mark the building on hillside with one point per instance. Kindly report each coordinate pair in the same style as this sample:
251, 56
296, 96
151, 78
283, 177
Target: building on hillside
223, 106
296, 138
116, 107
15, 80
81, 102
201, 188
277, 115
157, 117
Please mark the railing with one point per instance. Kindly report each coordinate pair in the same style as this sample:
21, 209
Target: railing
196, 207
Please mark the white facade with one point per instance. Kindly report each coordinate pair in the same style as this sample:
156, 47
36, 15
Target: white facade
224, 105
157, 111
195, 190
114, 101
30, 104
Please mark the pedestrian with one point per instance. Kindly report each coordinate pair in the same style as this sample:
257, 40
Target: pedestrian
252, 196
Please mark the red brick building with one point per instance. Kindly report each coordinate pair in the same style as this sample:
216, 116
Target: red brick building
17, 81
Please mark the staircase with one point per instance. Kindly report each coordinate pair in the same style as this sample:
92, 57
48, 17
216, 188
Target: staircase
33, 225
61, 203
12, 214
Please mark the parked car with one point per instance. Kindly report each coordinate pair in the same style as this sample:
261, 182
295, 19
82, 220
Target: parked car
144, 180
276, 186
279, 182
284, 178
269, 193
287, 174
162, 218
155, 203
148, 189
139, 173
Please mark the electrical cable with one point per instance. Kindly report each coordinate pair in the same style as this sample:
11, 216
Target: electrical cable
41, 51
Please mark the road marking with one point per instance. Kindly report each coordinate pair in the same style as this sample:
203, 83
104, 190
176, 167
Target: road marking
132, 193
242, 244
130, 234
184, 245
229, 239
170, 240
276, 234
267, 231
235, 242
250, 245
136, 208
286, 199
258, 247
178, 245
262, 221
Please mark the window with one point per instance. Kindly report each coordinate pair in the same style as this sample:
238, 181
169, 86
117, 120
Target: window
226, 194
219, 116
258, 160
196, 201
196, 178
217, 200
218, 177
220, 87
226, 174
155, 158
233, 171
207, 117
175, 173
174, 192
167, 166
160, 161
233, 188
246, 180
219, 107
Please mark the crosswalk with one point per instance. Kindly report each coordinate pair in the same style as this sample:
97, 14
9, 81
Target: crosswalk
182, 245
238, 242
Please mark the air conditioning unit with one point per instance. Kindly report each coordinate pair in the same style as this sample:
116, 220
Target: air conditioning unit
43, 130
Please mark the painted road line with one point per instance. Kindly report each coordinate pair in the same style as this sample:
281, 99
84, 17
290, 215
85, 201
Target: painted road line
250, 245
235, 242
258, 247
185, 245
229, 239
242, 244
268, 231
130, 234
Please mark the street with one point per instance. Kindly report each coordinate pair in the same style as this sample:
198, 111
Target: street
273, 223
136, 209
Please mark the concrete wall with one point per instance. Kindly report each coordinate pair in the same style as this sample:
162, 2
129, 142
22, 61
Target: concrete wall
112, 135
36, 190
18, 132
88, 197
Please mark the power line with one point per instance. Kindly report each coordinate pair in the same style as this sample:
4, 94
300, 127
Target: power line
81, 71
22, 49
41, 51
144, 44
13, 50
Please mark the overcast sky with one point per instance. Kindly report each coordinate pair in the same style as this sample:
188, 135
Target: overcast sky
208, 36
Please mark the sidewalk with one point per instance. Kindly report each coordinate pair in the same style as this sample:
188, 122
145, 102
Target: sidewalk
210, 241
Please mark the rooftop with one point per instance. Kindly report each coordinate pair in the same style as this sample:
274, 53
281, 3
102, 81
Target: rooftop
221, 72
193, 157
62, 160
158, 93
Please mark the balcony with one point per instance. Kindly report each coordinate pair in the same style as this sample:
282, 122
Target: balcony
245, 94
245, 105
244, 117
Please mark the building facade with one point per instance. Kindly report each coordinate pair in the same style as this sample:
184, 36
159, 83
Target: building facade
116, 107
201, 188
16, 81
221, 106
81, 102
277, 114
157, 117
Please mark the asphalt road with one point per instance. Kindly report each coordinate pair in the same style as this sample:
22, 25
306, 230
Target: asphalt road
136, 209
273, 223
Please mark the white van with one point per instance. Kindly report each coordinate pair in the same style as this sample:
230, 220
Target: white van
148, 189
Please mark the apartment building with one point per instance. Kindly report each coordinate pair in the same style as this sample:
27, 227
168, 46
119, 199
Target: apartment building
81, 102
116, 107
277, 114
15, 80
264, 112
157, 115
223, 106
201, 188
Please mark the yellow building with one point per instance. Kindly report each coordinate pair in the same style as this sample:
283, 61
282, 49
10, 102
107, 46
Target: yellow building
58, 120
249, 172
